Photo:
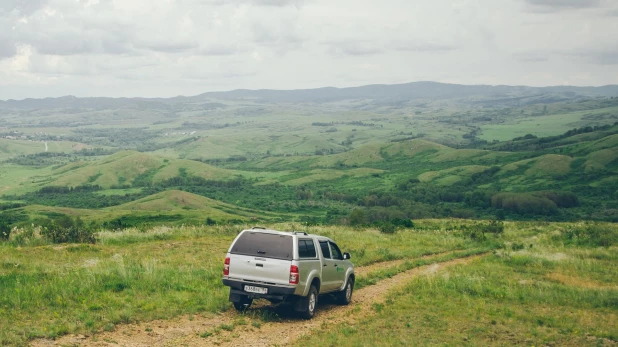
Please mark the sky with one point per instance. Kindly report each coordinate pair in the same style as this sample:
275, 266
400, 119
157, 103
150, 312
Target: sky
163, 48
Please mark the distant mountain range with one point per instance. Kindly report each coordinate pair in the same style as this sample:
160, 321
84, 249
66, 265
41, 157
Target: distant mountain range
395, 92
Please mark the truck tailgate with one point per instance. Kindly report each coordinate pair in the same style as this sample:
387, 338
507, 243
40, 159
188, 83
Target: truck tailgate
260, 269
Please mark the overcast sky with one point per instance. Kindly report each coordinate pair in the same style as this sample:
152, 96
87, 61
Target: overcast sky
186, 47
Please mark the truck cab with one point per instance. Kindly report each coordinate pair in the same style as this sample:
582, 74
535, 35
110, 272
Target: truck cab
281, 266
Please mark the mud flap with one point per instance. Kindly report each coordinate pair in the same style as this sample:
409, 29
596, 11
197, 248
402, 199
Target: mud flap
300, 304
236, 297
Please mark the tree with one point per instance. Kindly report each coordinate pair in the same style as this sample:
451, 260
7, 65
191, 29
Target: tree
358, 217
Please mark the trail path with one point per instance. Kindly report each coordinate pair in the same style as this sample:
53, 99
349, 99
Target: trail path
248, 331
45, 146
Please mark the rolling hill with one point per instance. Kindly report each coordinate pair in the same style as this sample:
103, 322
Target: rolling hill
407, 91
123, 168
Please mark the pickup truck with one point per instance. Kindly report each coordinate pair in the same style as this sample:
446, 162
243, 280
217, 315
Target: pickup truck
292, 267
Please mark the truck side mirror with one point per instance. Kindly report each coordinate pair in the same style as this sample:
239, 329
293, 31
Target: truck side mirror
346, 256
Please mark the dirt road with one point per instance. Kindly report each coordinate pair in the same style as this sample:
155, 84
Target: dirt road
232, 329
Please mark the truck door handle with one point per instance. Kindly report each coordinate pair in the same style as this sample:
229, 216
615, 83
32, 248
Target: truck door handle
325, 264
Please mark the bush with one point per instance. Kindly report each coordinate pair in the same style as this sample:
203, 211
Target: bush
477, 231
561, 199
592, 235
475, 235
404, 223
387, 228
5, 230
493, 227
66, 230
524, 203
358, 217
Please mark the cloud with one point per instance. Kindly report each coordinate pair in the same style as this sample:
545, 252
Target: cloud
7, 45
550, 6
269, 3
220, 49
424, 47
7, 49
367, 47
167, 46
531, 57
279, 3
23, 7
596, 56
122, 47
354, 48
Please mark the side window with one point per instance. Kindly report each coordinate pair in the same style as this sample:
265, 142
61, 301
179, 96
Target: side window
311, 249
325, 249
336, 252
306, 249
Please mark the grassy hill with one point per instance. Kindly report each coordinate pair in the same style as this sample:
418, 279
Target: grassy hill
172, 207
123, 168
393, 152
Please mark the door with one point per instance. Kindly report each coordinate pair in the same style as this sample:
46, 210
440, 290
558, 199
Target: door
329, 269
339, 265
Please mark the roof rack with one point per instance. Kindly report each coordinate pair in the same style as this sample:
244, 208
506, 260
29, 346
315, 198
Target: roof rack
300, 232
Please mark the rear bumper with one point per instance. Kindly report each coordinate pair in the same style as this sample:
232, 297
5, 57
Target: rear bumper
237, 290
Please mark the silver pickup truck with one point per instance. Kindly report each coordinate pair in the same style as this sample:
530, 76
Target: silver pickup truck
286, 266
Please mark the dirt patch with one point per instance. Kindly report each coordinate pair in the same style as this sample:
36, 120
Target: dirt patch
231, 329
365, 270
577, 281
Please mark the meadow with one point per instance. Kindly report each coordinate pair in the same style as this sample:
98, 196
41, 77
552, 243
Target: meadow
539, 289
129, 276
532, 283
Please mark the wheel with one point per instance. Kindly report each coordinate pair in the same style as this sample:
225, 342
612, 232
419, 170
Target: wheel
310, 303
344, 297
243, 304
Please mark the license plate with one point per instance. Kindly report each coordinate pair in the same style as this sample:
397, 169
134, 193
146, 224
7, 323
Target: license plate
258, 290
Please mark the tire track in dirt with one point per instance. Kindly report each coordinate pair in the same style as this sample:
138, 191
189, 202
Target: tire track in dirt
232, 329
365, 270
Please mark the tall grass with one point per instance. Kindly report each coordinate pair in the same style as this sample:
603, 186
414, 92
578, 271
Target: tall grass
547, 293
47, 290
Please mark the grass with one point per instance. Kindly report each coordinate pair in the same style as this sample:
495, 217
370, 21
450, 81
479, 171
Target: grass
52, 290
549, 125
374, 277
546, 293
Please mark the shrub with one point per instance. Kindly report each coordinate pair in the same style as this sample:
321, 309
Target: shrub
561, 199
67, 230
493, 227
592, 235
387, 228
524, 203
404, 223
357, 217
5, 230
477, 231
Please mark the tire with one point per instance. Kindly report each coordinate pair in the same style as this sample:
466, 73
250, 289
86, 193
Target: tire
344, 297
310, 303
243, 304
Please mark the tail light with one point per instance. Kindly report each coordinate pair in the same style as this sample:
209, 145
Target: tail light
226, 267
294, 274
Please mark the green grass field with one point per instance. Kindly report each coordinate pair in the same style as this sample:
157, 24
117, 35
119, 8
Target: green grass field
128, 276
549, 125
536, 291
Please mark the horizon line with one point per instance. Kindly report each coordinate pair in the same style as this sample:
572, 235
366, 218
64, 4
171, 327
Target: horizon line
307, 89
